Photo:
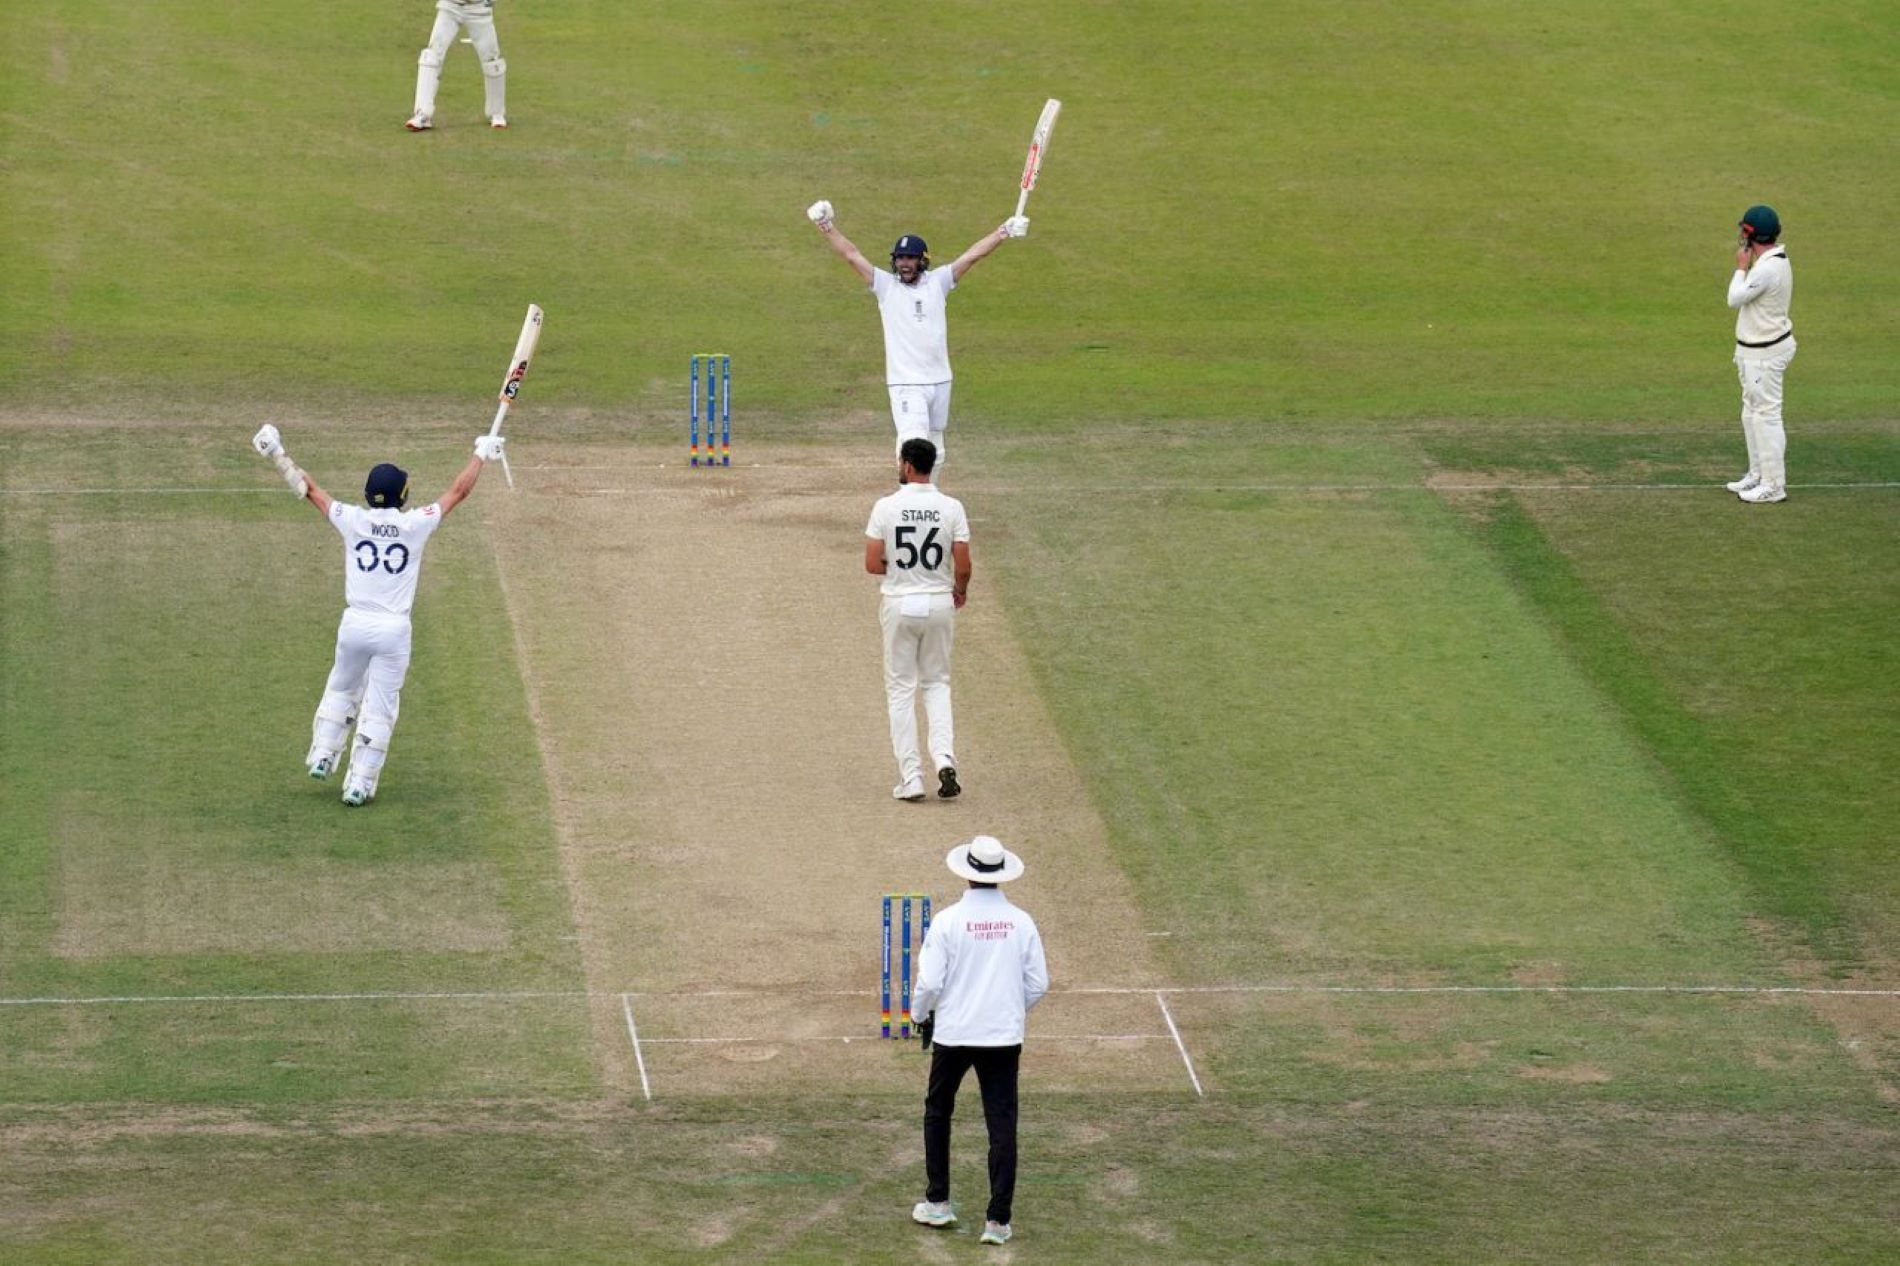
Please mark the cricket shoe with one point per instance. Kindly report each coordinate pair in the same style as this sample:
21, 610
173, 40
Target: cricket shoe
1746, 482
499, 122
947, 786
995, 1233
910, 792
1764, 494
420, 122
323, 766
356, 794
934, 1213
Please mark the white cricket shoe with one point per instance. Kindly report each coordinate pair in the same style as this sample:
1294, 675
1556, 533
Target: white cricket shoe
356, 793
323, 766
1750, 480
934, 1213
911, 792
499, 122
420, 122
995, 1233
1763, 494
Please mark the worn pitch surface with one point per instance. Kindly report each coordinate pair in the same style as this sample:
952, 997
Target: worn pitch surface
705, 675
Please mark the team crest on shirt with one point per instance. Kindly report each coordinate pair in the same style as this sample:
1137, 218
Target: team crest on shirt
918, 304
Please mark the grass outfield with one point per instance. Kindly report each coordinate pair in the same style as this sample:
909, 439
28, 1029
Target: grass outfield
1376, 588
1437, 210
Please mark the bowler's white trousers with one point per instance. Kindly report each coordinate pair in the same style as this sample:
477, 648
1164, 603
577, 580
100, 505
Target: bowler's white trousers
917, 657
1760, 369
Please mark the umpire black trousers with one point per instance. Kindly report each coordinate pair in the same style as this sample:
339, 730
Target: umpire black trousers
996, 1078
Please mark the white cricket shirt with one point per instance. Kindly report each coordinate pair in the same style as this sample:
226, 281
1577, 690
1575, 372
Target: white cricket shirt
1761, 297
918, 525
916, 334
382, 555
981, 970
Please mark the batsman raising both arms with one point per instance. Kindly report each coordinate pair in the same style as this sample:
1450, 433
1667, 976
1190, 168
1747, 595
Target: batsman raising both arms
910, 299
382, 557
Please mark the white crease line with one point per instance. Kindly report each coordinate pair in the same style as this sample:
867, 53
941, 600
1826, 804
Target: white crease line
389, 996
1179, 1045
999, 490
1111, 990
872, 1037
135, 492
1505, 989
646, 1087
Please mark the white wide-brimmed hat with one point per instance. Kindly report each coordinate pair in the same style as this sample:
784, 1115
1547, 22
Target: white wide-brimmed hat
985, 860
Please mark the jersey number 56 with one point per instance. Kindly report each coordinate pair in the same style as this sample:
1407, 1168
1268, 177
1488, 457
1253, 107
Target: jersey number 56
909, 553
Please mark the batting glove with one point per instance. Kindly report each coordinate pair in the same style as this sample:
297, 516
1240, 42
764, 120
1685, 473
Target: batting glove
488, 447
819, 213
1016, 226
267, 441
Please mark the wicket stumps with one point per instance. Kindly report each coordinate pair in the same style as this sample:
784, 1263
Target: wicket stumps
903, 954
718, 413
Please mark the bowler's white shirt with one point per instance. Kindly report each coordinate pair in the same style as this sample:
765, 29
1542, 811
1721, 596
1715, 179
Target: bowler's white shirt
916, 334
382, 555
918, 525
1760, 297
981, 970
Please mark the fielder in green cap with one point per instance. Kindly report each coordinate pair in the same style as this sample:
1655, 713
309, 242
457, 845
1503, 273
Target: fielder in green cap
1760, 292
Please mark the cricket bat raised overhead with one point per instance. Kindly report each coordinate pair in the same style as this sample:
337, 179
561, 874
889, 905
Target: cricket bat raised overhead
1038, 146
517, 370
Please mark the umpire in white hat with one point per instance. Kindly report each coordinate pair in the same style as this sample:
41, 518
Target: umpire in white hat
980, 971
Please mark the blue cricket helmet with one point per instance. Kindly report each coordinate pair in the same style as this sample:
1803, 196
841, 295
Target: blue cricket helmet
387, 487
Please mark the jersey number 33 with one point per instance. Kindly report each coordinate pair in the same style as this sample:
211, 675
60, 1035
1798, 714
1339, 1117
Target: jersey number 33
392, 558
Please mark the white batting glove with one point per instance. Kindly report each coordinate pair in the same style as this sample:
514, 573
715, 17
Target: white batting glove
267, 441
1016, 226
819, 213
489, 447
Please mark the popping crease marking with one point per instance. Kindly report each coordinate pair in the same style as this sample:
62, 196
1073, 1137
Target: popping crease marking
1179, 1045
996, 490
1080, 991
860, 1037
639, 1059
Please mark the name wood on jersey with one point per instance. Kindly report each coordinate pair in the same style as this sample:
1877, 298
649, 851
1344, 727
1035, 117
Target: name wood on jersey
389, 530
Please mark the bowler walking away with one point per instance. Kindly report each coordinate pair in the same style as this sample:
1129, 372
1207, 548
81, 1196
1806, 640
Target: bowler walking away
383, 545
919, 541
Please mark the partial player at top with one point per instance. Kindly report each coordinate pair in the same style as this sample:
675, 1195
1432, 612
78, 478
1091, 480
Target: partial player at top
477, 17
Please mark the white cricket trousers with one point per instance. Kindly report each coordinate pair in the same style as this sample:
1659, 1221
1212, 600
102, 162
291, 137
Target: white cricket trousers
921, 411
1761, 369
917, 658
372, 659
449, 19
